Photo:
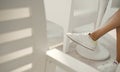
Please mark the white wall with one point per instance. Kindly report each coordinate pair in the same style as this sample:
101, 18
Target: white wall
58, 11
116, 3
85, 4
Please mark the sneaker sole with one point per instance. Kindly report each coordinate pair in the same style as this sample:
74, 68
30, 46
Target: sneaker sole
80, 44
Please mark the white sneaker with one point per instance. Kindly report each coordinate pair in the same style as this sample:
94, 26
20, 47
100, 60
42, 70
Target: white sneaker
118, 68
83, 39
108, 67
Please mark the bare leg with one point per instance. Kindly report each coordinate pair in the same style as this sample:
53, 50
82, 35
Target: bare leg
113, 22
118, 43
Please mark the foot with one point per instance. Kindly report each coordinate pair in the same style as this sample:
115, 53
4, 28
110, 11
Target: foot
83, 39
108, 67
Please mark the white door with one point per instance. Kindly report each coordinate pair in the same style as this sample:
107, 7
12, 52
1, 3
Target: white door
23, 41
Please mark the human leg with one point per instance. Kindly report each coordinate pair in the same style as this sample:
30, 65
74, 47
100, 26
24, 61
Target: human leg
88, 40
118, 43
112, 23
112, 65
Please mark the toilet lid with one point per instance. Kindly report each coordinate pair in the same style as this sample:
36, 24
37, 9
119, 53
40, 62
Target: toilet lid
101, 53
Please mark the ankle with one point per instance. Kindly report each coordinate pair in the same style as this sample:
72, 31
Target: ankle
92, 37
118, 61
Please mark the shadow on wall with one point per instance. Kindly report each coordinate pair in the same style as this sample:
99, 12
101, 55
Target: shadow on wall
16, 47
